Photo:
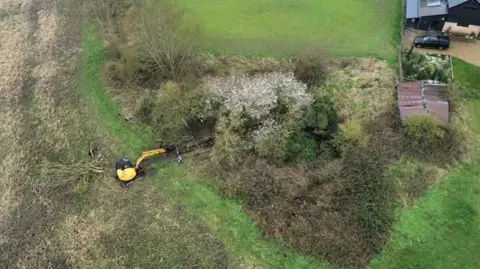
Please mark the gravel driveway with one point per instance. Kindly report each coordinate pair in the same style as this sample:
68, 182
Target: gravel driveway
465, 49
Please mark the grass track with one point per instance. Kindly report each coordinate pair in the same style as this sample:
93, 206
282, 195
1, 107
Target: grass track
231, 226
443, 231
283, 27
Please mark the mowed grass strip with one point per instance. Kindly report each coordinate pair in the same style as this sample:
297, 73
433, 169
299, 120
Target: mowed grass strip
223, 217
283, 27
443, 230
151, 230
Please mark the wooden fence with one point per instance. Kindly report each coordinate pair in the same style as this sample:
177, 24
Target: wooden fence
400, 47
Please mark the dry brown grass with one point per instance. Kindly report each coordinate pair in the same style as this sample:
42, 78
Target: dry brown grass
14, 54
59, 208
361, 90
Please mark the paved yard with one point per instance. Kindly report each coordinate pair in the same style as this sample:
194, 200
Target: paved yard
467, 50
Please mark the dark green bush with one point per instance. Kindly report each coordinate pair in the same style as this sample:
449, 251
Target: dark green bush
301, 147
321, 118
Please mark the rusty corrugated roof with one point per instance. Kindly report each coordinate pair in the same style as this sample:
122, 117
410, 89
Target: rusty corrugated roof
421, 97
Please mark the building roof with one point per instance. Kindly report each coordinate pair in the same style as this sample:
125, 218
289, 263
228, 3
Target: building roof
432, 8
412, 9
454, 3
423, 98
425, 8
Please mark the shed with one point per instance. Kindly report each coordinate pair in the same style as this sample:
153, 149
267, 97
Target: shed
423, 98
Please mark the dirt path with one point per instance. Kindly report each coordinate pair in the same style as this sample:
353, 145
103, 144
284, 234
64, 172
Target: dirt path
467, 50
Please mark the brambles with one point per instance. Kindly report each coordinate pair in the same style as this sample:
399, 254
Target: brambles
424, 129
412, 178
368, 194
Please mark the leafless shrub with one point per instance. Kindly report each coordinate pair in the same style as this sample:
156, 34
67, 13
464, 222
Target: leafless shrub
168, 40
310, 66
104, 12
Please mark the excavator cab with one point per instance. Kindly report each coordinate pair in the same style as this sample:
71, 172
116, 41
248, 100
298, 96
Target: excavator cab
125, 171
123, 164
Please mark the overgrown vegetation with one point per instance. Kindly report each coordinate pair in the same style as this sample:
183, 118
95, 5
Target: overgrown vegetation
166, 40
310, 66
223, 217
424, 129
420, 66
311, 146
149, 44
441, 231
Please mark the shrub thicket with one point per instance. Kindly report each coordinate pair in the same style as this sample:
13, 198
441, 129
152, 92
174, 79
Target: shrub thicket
321, 118
172, 109
263, 109
424, 129
167, 40
148, 42
310, 67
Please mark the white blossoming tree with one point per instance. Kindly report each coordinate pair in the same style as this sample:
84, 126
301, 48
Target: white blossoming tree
272, 101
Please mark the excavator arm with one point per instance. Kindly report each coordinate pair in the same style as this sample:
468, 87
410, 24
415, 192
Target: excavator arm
147, 154
155, 152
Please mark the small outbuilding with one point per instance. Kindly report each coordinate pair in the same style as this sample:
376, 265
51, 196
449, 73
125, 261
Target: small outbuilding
423, 98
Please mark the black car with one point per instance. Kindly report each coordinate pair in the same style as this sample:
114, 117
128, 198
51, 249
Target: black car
432, 41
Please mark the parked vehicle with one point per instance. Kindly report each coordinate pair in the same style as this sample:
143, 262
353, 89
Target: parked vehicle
432, 41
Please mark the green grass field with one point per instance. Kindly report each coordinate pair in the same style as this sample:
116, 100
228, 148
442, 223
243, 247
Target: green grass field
443, 230
283, 27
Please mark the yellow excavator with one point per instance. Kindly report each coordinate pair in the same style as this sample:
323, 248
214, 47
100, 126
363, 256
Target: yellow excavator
127, 172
